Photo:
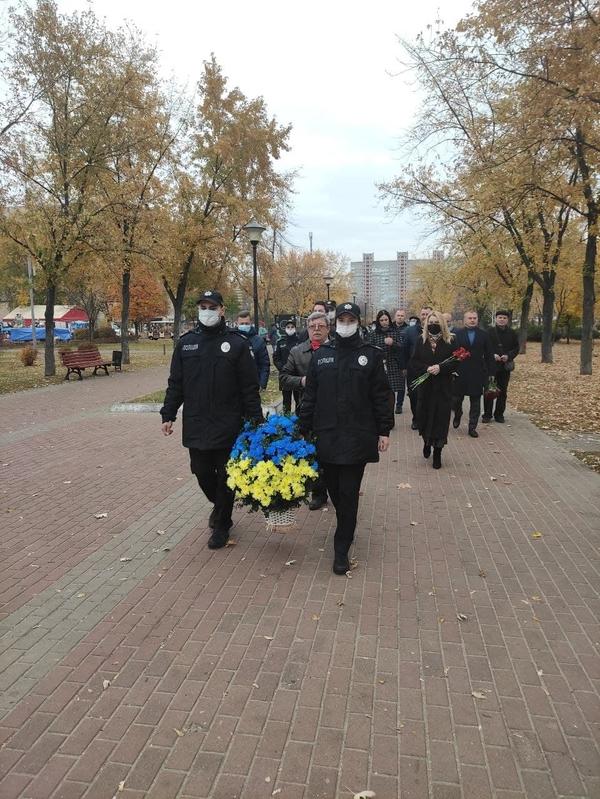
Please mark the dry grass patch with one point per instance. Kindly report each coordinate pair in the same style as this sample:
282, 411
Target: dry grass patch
555, 395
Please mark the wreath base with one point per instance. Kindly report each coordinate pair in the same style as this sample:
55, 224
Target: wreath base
278, 519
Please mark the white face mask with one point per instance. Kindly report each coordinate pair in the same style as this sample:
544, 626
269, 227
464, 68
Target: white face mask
346, 329
291, 331
209, 317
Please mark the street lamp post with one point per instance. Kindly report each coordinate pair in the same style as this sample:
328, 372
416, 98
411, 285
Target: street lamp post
254, 230
328, 280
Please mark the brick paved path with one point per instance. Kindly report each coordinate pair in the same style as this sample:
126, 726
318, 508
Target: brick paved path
136, 663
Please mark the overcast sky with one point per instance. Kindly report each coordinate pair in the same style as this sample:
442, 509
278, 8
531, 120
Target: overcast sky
328, 68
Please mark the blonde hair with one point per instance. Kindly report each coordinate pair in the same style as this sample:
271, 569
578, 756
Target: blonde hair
447, 336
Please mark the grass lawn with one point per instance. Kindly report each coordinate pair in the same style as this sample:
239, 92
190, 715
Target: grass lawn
16, 377
555, 395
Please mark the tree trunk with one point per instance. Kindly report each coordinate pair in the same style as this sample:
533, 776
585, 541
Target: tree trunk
178, 297
589, 300
524, 324
49, 363
547, 314
125, 315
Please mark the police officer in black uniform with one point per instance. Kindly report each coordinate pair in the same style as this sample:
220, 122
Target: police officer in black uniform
214, 375
346, 405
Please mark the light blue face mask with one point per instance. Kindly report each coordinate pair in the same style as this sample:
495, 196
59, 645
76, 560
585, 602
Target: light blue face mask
244, 328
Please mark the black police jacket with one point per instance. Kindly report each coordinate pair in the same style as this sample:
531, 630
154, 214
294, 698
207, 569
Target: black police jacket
346, 402
214, 375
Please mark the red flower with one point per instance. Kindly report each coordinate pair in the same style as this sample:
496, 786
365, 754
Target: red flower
461, 354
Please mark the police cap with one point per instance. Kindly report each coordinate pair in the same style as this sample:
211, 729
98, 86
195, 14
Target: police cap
347, 307
210, 296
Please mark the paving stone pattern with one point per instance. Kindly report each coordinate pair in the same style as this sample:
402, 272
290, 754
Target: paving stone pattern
461, 659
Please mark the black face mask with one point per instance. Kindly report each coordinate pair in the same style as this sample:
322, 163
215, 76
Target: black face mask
434, 329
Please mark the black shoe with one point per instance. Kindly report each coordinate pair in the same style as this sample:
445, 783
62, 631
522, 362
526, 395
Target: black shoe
437, 458
499, 419
218, 539
486, 419
414, 426
456, 421
317, 502
473, 433
341, 564
426, 450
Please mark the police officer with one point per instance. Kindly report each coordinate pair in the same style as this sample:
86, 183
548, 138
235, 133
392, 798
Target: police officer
346, 404
214, 375
281, 353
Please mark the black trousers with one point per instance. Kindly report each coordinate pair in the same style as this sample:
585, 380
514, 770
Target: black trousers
287, 400
474, 408
502, 379
343, 483
209, 467
319, 489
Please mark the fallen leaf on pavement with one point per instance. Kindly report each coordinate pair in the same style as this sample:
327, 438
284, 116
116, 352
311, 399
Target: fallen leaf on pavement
125, 560
179, 733
478, 695
537, 534
105, 684
364, 795
315, 617
462, 617
100, 515
231, 542
290, 562
404, 485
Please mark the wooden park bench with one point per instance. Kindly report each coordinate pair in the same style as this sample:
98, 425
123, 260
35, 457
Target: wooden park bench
78, 360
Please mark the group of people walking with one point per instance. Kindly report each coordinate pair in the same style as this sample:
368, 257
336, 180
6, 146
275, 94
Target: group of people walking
347, 384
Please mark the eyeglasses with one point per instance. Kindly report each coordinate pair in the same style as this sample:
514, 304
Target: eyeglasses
318, 327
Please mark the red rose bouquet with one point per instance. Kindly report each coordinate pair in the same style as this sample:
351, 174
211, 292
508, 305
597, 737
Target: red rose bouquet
460, 354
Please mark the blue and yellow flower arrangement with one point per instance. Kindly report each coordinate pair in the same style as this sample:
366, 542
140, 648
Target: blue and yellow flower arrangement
271, 467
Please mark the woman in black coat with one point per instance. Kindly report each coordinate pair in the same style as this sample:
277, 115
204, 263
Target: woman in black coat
391, 341
435, 394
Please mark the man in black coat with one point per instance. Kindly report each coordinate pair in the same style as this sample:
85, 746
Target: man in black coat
281, 353
505, 345
346, 405
259, 348
411, 337
214, 375
474, 372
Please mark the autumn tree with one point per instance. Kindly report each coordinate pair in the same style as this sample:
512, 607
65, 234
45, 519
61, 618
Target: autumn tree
81, 76
226, 175
554, 47
484, 172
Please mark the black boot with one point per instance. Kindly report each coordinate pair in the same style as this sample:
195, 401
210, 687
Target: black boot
426, 450
437, 458
218, 539
341, 564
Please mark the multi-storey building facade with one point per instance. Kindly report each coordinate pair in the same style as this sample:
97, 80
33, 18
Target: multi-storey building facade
381, 284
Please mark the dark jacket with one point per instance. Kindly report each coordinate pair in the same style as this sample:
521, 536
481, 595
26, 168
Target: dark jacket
214, 375
434, 396
282, 350
261, 355
296, 367
346, 402
394, 355
504, 341
474, 372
